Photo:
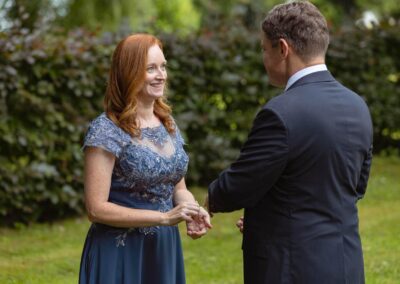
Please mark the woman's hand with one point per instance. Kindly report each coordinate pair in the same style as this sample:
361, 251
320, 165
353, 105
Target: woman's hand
182, 212
199, 225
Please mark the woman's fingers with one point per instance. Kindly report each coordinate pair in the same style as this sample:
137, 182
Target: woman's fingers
197, 228
206, 217
190, 211
198, 233
182, 212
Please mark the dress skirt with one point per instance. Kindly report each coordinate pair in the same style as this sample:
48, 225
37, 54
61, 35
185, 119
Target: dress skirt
132, 256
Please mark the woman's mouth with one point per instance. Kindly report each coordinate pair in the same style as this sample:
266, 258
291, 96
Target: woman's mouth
157, 85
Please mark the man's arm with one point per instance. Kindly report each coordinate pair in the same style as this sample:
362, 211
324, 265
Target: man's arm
366, 166
261, 162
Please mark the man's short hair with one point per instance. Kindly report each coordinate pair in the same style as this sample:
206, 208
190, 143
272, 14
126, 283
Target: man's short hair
302, 25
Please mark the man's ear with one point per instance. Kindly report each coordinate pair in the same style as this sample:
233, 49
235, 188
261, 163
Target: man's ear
284, 48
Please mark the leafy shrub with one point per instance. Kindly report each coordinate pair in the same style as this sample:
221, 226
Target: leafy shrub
52, 85
368, 62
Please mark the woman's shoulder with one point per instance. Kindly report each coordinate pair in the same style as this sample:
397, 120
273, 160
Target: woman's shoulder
104, 124
103, 121
104, 133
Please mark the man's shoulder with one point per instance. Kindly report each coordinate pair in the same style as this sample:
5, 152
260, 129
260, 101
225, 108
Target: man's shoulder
278, 103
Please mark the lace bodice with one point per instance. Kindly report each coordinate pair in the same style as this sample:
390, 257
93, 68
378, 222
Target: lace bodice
147, 167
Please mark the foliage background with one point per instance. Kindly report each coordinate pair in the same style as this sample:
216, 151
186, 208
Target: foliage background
52, 82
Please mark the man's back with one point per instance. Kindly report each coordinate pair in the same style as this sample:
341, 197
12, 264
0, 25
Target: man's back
304, 165
306, 226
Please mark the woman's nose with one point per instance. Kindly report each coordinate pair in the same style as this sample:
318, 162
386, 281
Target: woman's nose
161, 74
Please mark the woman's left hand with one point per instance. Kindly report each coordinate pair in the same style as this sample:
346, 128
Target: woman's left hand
200, 224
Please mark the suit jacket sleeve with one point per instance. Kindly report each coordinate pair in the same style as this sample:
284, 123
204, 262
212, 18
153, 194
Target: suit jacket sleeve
366, 166
261, 162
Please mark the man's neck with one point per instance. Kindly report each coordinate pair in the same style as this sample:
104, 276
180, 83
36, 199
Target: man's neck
295, 64
311, 68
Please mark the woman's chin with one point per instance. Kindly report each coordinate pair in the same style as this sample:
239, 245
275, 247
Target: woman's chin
156, 95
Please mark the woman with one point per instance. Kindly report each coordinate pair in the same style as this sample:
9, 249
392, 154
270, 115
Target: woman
135, 164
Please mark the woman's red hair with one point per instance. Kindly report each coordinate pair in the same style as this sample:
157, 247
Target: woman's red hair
126, 81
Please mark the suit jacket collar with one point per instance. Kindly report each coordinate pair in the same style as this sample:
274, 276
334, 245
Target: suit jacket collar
321, 76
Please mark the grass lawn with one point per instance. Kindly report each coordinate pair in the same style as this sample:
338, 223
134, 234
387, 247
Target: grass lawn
44, 253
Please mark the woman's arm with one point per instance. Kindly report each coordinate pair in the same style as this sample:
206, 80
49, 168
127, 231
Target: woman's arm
182, 194
99, 166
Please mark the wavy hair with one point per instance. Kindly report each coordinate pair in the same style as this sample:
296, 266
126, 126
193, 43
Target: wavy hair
126, 82
302, 25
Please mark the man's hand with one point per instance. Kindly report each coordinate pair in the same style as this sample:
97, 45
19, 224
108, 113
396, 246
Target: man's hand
240, 224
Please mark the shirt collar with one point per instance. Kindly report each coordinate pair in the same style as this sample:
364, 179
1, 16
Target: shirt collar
304, 72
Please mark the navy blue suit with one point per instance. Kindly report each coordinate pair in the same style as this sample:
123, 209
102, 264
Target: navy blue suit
299, 176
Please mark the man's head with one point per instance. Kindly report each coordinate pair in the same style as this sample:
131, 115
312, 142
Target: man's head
296, 29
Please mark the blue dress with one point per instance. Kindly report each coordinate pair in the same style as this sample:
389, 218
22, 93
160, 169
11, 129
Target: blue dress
145, 173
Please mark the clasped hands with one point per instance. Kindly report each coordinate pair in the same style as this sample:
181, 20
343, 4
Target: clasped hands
196, 217
199, 224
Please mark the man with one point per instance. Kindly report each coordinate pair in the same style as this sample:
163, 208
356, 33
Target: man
305, 164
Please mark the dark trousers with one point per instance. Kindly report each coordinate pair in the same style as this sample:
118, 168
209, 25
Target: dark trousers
255, 269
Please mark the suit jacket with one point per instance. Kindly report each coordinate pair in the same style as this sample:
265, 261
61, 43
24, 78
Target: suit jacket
299, 175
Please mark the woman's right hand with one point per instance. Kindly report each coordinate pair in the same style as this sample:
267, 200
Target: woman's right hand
182, 212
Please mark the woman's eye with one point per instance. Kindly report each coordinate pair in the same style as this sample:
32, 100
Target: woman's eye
152, 69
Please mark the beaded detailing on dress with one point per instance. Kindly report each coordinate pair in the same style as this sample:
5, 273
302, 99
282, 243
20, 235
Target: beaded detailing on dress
146, 169
121, 239
155, 135
156, 139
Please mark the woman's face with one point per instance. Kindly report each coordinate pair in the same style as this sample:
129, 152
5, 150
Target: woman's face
156, 73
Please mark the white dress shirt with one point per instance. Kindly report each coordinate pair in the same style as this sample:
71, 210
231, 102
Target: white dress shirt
303, 72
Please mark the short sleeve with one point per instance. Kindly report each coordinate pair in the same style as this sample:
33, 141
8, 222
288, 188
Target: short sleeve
178, 136
103, 133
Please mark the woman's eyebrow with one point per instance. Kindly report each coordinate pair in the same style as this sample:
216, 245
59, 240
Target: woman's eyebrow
153, 63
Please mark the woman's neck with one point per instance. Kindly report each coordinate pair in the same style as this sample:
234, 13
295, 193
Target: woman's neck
145, 114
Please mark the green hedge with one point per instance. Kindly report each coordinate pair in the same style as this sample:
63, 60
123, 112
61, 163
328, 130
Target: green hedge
368, 61
52, 85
